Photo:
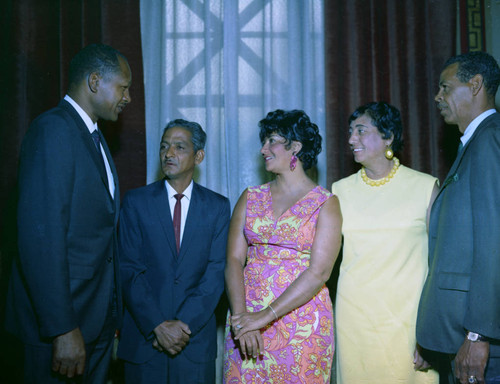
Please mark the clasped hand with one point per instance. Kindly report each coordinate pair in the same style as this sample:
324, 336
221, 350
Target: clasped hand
171, 336
246, 328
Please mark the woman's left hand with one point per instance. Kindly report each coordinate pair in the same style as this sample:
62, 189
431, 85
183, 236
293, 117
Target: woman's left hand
242, 323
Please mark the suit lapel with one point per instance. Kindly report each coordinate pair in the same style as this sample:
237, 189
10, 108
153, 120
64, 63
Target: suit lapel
160, 204
452, 175
113, 172
450, 178
89, 144
195, 213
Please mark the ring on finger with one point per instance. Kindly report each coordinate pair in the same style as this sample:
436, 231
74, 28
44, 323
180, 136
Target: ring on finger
472, 379
238, 326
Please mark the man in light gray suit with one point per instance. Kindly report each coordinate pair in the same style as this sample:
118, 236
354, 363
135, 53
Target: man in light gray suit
459, 313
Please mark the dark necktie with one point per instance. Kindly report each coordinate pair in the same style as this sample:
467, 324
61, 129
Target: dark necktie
460, 146
97, 140
177, 220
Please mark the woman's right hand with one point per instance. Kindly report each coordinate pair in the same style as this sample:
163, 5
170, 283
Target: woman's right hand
251, 344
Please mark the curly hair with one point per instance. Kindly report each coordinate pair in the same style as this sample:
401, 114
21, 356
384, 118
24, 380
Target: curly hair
473, 63
293, 125
386, 118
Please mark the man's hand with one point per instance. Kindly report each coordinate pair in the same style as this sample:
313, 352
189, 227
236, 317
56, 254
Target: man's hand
171, 336
68, 353
471, 360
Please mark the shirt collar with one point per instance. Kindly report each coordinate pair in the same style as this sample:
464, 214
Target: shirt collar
86, 118
187, 192
471, 128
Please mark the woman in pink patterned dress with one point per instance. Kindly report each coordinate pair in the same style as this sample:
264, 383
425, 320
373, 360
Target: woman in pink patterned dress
284, 238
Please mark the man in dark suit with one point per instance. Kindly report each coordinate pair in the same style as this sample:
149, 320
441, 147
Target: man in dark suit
459, 312
63, 299
173, 237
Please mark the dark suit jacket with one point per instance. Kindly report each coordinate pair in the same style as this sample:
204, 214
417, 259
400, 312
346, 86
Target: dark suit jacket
158, 285
67, 221
462, 291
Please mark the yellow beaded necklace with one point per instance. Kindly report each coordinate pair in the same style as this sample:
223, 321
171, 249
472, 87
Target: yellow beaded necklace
382, 181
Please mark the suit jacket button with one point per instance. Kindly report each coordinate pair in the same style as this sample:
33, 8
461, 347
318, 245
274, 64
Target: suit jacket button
176, 281
109, 259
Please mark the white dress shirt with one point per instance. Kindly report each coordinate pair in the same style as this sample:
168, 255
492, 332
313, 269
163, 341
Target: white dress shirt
186, 199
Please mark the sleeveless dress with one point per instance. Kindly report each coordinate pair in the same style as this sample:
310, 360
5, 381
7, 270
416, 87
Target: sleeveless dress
384, 267
299, 345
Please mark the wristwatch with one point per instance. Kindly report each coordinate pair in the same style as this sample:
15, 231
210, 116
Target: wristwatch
473, 336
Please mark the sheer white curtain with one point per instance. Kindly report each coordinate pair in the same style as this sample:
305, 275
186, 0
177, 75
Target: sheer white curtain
225, 64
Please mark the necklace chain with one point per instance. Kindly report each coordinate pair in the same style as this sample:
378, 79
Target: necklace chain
382, 181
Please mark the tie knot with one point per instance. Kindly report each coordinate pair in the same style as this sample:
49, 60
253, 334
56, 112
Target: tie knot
178, 196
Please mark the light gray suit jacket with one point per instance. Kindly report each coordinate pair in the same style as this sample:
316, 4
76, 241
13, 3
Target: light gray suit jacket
462, 291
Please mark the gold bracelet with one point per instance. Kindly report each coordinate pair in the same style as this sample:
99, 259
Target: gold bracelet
272, 309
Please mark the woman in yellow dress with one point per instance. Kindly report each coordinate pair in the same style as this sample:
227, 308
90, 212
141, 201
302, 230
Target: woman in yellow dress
384, 265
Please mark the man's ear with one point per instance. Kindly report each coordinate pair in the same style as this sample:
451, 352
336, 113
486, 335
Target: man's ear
93, 82
476, 83
199, 156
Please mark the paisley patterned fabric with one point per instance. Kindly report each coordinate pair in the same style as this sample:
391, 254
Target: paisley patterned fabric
298, 346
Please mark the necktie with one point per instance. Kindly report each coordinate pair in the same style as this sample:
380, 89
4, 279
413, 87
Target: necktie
460, 146
97, 140
177, 220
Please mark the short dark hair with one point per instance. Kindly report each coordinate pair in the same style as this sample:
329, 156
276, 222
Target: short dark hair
294, 125
473, 63
98, 58
198, 135
386, 118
